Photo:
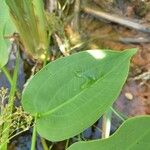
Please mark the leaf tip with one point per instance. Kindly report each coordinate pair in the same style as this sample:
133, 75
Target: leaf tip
131, 51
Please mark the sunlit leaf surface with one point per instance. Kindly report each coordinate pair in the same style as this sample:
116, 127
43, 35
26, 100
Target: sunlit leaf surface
71, 93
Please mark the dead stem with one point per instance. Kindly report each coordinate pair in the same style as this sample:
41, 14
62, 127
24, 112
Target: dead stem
116, 19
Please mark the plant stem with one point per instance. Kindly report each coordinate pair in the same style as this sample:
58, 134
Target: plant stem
5, 136
33, 143
117, 114
7, 74
50, 147
67, 144
79, 137
45, 147
106, 124
13, 137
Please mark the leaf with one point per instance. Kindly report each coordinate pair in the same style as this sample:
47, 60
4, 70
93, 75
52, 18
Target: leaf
3, 52
134, 134
30, 21
71, 93
6, 28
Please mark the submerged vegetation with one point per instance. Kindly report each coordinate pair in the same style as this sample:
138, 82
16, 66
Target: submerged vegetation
66, 91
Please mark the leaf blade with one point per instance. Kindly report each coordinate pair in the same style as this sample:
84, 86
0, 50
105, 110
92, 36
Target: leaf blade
68, 101
133, 134
6, 27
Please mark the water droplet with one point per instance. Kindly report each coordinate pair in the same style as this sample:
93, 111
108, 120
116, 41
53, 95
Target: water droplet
91, 76
79, 74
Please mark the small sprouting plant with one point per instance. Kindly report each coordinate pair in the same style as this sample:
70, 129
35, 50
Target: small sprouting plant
20, 122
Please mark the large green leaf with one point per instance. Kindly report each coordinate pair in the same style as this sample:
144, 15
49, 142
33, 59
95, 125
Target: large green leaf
134, 134
71, 93
6, 28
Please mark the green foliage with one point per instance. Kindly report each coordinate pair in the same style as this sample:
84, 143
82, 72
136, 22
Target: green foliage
71, 93
134, 134
6, 125
6, 28
55, 24
30, 20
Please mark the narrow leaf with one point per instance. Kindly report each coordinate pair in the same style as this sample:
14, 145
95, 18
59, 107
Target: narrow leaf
134, 134
71, 93
30, 21
6, 28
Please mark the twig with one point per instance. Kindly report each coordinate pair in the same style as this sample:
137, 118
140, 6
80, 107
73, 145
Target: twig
76, 15
61, 45
134, 40
143, 76
116, 19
